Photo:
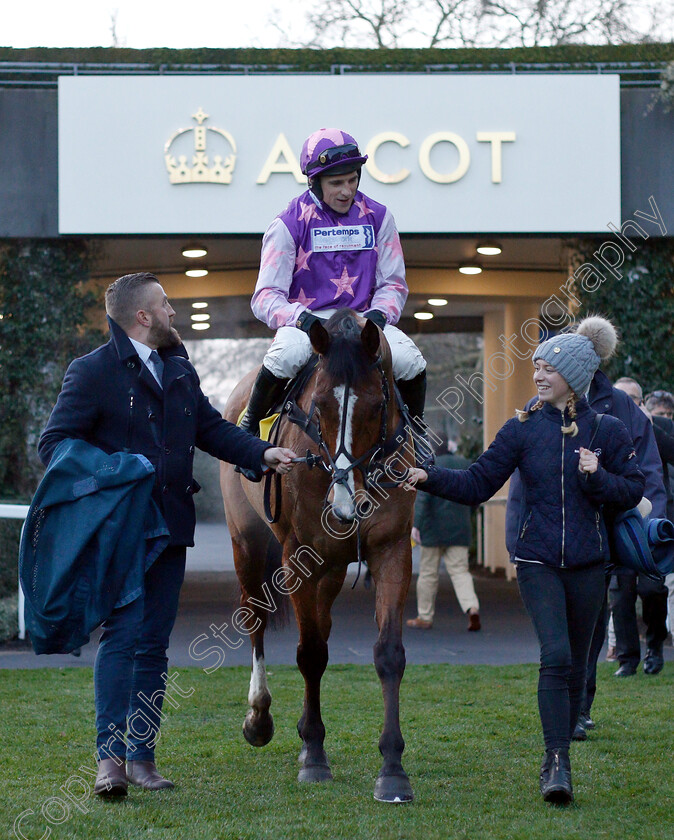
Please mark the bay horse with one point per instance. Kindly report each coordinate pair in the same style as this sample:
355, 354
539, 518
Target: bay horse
347, 420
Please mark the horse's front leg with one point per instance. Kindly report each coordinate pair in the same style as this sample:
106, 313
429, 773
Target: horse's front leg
391, 577
312, 603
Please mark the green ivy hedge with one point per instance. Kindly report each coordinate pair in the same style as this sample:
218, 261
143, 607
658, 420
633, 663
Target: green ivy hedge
10, 531
317, 60
43, 304
641, 307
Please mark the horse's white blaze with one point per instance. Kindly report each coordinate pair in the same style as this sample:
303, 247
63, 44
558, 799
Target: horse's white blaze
258, 681
342, 502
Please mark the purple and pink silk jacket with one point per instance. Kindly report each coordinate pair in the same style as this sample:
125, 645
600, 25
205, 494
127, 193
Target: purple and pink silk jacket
314, 258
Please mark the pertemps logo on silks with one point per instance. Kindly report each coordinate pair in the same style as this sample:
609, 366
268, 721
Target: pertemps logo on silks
343, 238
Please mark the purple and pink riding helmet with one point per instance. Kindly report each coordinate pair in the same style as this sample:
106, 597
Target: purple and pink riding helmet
329, 150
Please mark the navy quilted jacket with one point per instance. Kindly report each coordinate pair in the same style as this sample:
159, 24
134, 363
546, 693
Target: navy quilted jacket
561, 523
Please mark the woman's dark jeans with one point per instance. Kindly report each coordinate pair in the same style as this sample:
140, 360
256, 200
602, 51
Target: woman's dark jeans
564, 605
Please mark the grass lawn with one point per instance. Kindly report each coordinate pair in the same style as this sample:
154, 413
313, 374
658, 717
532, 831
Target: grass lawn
473, 752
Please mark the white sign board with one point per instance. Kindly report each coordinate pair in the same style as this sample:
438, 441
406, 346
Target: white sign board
448, 153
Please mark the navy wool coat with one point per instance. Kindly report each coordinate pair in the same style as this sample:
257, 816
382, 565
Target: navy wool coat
110, 399
441, 522
91, 533
561, 523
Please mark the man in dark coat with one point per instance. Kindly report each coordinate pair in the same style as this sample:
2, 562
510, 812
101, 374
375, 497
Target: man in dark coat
139, 393
443, 529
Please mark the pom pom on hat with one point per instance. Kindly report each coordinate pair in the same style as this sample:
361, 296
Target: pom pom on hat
601, 333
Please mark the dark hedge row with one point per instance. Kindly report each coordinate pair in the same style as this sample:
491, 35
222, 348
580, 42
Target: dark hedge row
308, 60
10, 531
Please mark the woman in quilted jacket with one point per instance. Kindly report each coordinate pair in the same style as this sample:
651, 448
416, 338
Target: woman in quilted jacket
572, 462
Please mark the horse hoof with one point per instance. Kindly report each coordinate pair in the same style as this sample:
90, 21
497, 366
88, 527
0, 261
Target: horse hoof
394, 789
315, 773
258, 731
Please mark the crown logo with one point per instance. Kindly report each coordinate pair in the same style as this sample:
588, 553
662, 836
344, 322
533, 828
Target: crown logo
180, 172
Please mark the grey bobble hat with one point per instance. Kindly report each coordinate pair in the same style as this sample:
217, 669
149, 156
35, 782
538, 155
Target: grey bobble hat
577, 355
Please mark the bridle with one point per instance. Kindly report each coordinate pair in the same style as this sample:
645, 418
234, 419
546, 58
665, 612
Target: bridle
370, 464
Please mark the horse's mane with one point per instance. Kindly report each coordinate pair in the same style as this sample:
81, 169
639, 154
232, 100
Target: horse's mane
346, 359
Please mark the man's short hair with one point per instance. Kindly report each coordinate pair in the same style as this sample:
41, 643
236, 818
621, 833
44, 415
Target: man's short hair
126, 296
627, 380
660, 399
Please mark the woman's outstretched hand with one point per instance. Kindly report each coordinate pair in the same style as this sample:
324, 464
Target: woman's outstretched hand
416, 475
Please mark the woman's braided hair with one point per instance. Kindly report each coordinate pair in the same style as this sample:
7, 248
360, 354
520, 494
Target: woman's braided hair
571, 429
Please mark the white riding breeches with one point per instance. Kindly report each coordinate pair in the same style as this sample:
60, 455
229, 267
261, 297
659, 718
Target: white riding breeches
291, 350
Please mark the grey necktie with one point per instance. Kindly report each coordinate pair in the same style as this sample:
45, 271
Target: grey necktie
158, 365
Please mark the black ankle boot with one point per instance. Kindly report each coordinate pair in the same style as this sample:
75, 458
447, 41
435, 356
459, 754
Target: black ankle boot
557, 788
267, 389
413, 393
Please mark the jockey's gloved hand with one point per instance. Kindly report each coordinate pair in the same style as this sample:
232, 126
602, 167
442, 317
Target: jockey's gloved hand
376, 317
305, 321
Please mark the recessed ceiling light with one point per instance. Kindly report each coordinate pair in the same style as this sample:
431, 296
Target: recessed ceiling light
201, 326
199, 304
196, 272
204, 316
470, 268
423, 315
489, 249
194, 251
437, 301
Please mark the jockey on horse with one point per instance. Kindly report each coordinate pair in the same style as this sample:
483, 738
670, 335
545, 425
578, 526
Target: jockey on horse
332, 247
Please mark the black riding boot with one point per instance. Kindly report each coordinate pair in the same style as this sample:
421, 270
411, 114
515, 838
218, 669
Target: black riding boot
557, 788
267, 389
413, 392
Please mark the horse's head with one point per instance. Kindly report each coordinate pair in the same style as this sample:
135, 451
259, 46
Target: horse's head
351, 394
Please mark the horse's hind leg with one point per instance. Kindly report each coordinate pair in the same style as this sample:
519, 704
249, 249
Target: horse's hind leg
312, 605
258, 726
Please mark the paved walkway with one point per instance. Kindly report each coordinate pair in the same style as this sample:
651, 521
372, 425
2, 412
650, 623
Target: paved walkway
210, 597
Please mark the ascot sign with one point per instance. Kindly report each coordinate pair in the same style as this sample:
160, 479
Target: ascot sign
490, 154
282, 160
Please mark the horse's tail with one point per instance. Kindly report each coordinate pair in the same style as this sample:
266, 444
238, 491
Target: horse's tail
280, 617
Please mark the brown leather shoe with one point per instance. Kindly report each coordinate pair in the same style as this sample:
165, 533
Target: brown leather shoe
145, 775
474, 622
419, 623
111, 778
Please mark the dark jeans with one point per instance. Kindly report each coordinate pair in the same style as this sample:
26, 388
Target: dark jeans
563, 605
596, 645
131, 663
623, 591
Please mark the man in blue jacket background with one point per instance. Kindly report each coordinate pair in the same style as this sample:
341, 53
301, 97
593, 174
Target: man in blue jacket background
139, 393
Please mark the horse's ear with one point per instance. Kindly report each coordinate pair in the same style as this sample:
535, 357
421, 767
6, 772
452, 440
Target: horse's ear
319, 338
370, 338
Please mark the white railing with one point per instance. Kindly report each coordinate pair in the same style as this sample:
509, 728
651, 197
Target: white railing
17, 512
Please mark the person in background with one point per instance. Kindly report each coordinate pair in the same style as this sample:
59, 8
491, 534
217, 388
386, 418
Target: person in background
660, 404
571, 463
626, 584
443, 530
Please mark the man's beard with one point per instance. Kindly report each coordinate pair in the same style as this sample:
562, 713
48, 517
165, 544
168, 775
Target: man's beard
163, 337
